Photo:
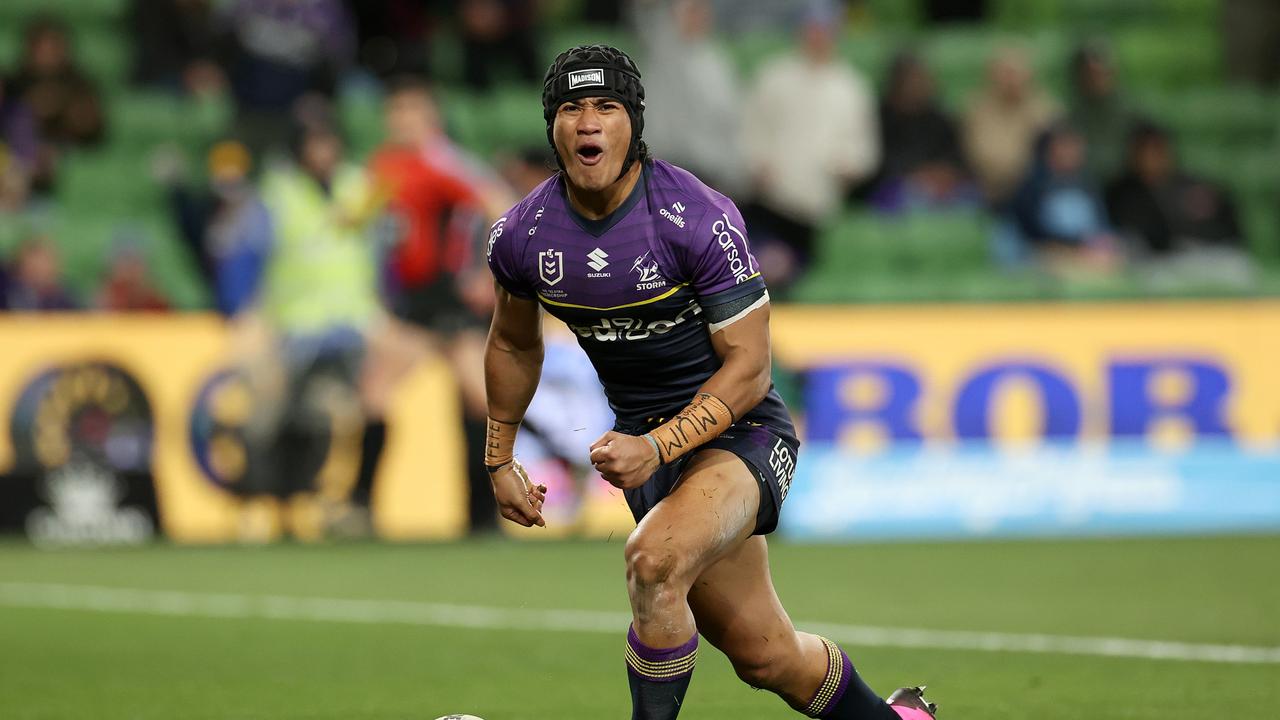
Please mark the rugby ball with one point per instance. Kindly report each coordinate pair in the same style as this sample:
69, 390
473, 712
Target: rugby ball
458, 717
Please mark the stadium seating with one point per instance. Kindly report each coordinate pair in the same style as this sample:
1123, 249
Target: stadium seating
1168, 54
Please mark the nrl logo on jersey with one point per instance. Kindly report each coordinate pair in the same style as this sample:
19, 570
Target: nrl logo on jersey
551, 266
650, 277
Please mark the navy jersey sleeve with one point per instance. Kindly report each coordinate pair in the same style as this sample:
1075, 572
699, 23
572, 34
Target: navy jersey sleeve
718, 261
503, 251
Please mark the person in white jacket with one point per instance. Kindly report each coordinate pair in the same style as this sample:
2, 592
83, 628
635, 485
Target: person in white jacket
810, 133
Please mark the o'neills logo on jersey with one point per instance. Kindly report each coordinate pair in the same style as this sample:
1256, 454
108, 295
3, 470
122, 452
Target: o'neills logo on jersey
673, 217
735, 251
551, 266
585, 78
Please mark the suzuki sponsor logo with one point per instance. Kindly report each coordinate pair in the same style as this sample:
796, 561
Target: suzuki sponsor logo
650, 277
596, 260
551, 266
734, 245
585, 78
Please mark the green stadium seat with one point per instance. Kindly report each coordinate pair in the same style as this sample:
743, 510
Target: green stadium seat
508, 118
894, 14
104, 54
1239, 120
871, 52
361, 118
920, 256
1093, 15
87, 240
103, 181
751, 50
1159, 58
140, 121
73, 11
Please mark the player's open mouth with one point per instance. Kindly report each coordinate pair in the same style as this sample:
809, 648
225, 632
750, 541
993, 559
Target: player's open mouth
589, 154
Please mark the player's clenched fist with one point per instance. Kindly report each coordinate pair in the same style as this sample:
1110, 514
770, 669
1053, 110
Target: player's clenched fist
625, 461
519, 500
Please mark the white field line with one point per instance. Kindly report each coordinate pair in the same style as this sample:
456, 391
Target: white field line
393, 612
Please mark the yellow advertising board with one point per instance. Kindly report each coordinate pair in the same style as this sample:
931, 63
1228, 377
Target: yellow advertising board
1163, 372
173, 360
874, 379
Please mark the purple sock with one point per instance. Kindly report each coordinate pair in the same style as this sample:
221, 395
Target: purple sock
843, 695
658, 678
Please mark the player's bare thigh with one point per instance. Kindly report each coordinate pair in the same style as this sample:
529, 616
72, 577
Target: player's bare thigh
711, 510
738, 611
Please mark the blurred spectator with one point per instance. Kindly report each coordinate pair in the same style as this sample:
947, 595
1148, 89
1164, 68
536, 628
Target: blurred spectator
692, 93
19, 139
495, 31
1165, 208
176, 45
36, 282
127, 287
226, 228
923, 164
65, 102
1098, 110
236, 235
1002, 122
317, 297
281, 51
394, 36
1057, 211
810, 134
438, 293
61, 97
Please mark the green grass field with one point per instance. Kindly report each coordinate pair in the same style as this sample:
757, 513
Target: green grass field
226, 646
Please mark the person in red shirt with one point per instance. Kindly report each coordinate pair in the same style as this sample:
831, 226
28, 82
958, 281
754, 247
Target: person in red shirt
437, 289
127, 287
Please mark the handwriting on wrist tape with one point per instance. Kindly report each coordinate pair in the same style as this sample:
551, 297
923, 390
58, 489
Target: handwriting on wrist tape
499, 442
699, 422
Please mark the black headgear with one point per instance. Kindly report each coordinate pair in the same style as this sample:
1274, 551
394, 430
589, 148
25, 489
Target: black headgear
595, 71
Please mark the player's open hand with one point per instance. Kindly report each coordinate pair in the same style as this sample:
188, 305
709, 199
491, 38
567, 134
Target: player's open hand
519, 500
625, 461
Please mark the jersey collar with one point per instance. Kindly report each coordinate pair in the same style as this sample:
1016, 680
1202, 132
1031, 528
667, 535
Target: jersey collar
599, 227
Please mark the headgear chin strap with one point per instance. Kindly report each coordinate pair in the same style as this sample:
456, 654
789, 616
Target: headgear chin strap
595, 71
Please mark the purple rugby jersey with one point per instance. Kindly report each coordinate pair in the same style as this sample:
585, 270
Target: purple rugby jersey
632, 286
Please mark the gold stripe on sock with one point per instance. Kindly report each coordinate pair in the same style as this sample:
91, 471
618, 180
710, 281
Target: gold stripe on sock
661, 670
826, 692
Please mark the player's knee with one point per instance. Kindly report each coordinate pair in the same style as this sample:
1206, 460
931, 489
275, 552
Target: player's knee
760, 670
650, 565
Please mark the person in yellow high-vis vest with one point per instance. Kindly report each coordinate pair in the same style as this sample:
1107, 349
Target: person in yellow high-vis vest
316, 298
